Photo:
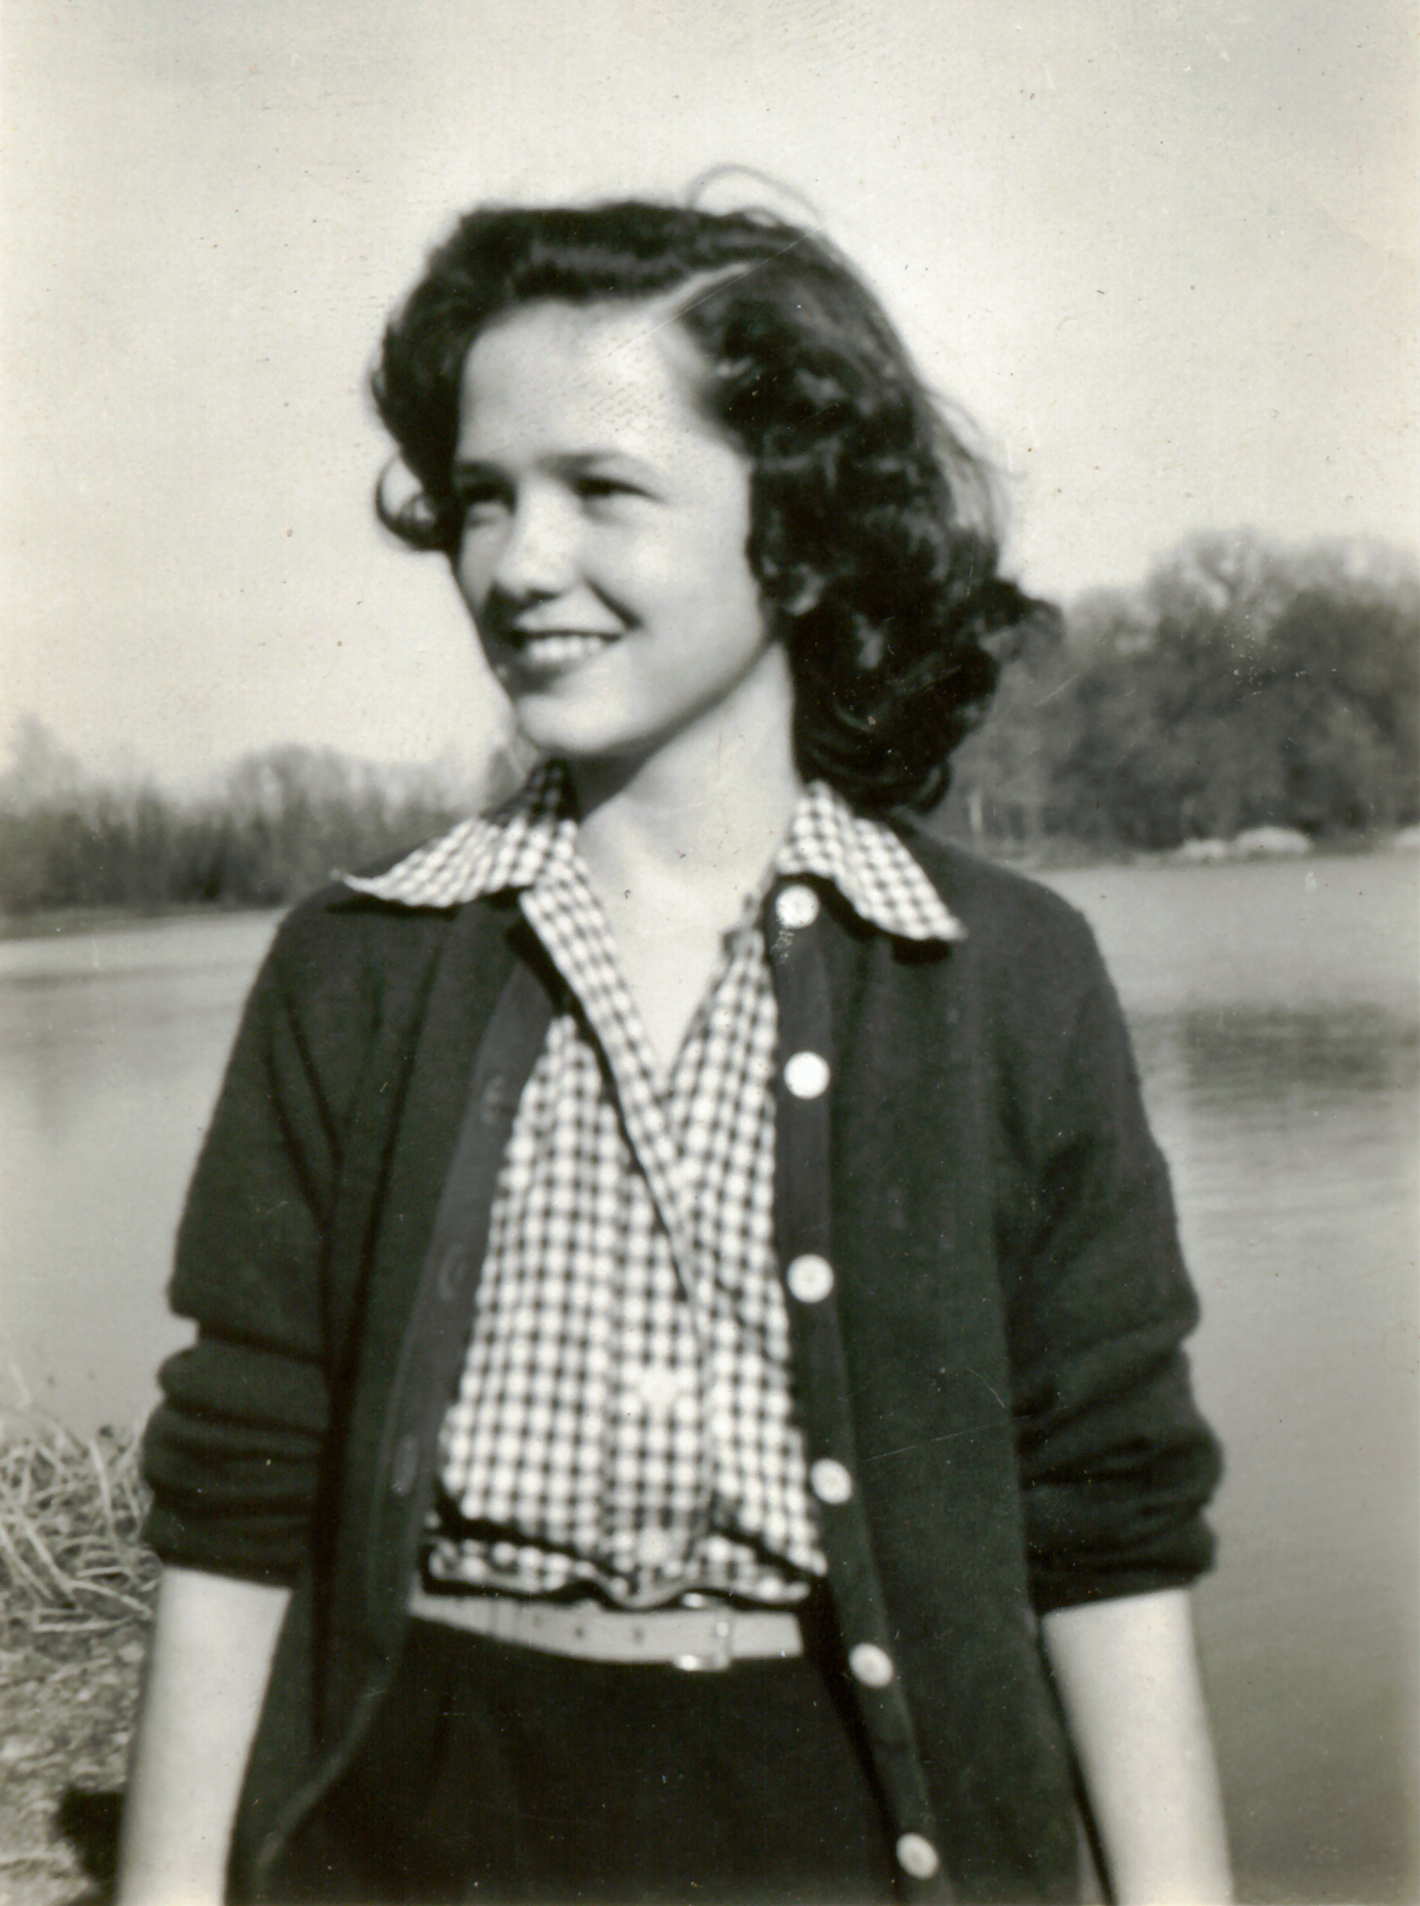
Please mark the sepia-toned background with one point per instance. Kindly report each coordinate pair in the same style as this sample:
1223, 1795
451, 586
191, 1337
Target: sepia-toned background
1166, 256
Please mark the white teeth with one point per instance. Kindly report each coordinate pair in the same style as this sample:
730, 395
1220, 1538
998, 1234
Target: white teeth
555, 650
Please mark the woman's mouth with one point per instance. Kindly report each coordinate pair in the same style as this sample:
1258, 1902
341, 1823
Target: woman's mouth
556, 648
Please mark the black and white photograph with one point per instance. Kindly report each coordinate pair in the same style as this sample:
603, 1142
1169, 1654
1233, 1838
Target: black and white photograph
710, 954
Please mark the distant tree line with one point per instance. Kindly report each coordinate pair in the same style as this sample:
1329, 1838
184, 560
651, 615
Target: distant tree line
274, 826
1243, 684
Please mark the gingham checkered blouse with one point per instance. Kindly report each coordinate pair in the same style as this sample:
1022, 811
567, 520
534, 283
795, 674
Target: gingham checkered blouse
624, 1421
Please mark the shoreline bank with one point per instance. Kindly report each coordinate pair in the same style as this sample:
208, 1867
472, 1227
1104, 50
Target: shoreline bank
1044, 857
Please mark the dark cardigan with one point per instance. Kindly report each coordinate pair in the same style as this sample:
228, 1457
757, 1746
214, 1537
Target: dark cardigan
998, 1367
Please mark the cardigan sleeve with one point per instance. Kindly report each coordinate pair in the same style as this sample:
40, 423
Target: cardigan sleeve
1116, 1462
233, 1451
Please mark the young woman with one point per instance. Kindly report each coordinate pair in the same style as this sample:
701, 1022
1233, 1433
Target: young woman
688, 1385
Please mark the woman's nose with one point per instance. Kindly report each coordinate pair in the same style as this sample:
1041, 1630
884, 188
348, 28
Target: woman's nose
536, 555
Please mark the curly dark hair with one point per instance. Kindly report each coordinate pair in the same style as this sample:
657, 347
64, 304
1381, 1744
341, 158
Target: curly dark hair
873, 535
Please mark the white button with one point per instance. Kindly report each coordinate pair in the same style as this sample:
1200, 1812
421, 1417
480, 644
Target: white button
809, 1278
917, 1856
796, 907
806, 1075
871, 1665
830, 1481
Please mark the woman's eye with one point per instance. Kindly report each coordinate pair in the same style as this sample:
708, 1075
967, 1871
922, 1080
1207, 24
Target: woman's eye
478, 505
600, 488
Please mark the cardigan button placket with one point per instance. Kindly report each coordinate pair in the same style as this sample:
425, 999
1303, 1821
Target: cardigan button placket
813, 1281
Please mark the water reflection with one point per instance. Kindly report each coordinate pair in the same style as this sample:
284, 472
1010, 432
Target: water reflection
1291, 1135
1246, 1056
110, 1048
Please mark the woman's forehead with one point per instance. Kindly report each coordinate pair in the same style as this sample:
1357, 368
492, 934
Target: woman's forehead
624, 372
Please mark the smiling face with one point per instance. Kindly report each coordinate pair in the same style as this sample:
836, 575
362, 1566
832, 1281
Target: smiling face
605, 524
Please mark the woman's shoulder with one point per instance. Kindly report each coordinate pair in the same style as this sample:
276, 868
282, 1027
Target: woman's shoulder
1030, 977
339, 941
1005, 913
341, 911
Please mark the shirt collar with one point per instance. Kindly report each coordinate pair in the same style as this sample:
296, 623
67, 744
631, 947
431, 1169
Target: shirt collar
513, 846
534, 833
869, 864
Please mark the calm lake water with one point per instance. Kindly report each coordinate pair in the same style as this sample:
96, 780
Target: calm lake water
1277, 1021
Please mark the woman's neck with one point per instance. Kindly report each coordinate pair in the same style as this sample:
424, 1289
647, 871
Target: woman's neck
687, 833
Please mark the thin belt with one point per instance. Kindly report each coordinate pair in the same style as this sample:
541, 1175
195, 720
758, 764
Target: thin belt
689, 1638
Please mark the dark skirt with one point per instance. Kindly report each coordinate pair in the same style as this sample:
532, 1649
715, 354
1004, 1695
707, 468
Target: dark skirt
496, 1773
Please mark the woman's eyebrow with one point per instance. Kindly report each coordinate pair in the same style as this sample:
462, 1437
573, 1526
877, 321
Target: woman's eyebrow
567, 460
580, 460
467, 468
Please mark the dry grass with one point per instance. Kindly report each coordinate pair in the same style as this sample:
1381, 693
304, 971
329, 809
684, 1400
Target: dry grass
76, 1591
70, 1515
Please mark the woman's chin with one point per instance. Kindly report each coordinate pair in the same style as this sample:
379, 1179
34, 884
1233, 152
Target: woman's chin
574, 733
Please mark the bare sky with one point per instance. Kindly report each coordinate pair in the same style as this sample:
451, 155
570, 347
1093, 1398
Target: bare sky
1166, 254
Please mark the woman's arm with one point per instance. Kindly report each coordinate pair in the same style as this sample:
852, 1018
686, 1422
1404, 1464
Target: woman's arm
207, 1673
1127, 1672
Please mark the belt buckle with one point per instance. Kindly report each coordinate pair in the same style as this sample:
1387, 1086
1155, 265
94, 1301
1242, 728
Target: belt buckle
719, 1656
